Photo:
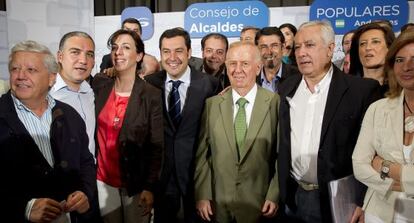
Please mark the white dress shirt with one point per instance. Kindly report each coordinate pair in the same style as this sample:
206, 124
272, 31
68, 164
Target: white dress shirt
182, 89
306, 116
83, 101
250, 97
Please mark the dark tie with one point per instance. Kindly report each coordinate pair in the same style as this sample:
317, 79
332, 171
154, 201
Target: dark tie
277, 81
174, 103
240, 126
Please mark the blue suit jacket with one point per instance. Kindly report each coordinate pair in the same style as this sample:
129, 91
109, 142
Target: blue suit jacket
25, 172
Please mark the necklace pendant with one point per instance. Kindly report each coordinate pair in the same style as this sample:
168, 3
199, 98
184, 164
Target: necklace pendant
409, 124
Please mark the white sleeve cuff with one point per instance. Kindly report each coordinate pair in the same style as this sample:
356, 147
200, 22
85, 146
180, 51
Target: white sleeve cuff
28, 209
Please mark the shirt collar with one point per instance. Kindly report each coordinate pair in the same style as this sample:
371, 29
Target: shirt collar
250, 96
19, 105
60, 83
323, 85
278, 75
185, 78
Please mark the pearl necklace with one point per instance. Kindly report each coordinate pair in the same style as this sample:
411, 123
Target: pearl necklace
409, 120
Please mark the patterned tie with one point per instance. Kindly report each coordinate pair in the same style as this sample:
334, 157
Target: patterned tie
240, 125
174, 103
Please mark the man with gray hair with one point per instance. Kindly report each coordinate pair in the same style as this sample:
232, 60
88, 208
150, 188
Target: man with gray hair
76, 58
321, 111
48, 170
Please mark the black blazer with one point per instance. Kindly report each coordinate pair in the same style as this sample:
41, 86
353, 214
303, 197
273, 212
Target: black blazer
141, 138
25, 172
348, 99
287, 70
181, 142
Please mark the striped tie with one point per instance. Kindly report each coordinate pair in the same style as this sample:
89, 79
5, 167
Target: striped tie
174, 103
240, 125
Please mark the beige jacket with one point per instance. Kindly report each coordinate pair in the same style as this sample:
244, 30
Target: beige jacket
382, 134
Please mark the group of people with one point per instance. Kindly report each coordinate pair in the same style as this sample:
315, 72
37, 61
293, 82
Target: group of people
253, 131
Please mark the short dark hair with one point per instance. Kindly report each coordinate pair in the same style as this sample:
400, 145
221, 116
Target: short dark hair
246, 28
139, 45
406, 26
291, 27
72, 34
269, 31
356, 65
215, 36
132, 20
174, 32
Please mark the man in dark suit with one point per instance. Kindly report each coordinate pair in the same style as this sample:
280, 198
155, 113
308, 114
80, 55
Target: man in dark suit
320, 116
45, 160
184, 91
270, 41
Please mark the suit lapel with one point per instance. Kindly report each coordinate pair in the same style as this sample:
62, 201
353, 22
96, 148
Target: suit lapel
191, 95
337, 89
259, 113
226, 112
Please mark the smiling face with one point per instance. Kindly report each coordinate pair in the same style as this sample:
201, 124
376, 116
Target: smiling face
243, 65
347, 41
29, 77
289, 36
214, 54
174, 56
404, 67
77, 59
124, 54
372, 49
270, 48
313, 55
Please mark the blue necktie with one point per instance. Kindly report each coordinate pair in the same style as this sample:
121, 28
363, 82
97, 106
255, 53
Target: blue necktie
174, 103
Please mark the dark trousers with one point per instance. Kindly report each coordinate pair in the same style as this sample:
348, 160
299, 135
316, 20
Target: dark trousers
308, 207
172, 206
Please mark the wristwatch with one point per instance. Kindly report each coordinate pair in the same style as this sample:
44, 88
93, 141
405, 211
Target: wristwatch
385, 169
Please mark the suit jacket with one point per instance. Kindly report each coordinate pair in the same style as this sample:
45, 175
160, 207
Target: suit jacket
348, 99
287, 70
180, 143
238, 186
141, 140
382, 134
27, 174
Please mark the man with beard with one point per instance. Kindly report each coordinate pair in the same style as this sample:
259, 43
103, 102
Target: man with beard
214, 47
270, 41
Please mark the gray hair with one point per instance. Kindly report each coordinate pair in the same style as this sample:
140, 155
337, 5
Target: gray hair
327, 32
72, 34
35, 47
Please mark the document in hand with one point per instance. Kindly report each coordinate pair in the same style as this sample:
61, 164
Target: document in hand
404, 210
342, 198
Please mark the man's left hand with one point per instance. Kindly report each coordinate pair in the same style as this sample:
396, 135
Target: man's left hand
77, 201
269, 209
146, 199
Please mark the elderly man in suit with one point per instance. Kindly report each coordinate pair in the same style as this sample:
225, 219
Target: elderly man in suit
320, 116
235, 178
45, 160
184, 91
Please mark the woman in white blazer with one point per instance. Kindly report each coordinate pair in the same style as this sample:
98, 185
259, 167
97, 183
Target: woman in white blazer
383, 158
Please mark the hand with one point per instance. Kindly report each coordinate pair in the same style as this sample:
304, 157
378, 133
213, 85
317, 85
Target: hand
377, 163
204, 209
45, 210
146, 199
77, 201
269, 209
358, 215
396, 186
